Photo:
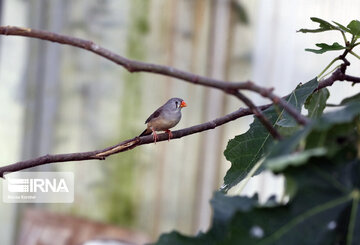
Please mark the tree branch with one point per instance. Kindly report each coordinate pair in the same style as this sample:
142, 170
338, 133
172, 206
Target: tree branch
277, 100
128, 64
138, 66
258, 113
351, 79
127, 144
337, 75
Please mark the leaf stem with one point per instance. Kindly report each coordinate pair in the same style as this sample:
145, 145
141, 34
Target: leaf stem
328, 66
332, 70
355, 203
355, 54
345, 40
353, 40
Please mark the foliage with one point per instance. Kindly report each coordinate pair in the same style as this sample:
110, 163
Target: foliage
320, 163
353, 29
326, 47
245, 150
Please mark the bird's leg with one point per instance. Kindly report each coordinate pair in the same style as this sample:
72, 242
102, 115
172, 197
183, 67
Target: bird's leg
169, 133
155, 137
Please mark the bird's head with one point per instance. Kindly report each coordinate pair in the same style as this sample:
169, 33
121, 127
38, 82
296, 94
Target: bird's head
176, 103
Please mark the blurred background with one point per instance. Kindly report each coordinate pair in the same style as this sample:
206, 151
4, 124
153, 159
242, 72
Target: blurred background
60, 99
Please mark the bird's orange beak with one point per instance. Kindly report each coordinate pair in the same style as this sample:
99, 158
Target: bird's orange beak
183, 104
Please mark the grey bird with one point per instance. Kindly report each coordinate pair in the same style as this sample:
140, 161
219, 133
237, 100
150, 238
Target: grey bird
164, 118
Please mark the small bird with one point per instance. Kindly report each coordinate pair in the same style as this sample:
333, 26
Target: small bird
164, 118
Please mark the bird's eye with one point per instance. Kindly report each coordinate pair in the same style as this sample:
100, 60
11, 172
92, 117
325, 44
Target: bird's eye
177, 104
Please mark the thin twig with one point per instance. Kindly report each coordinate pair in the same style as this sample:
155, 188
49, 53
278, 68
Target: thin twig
337, 75
130, 65
258, 113
277, 100
351, 79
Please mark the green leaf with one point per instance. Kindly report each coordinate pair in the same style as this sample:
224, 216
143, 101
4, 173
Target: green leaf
348, 100
324, 138
324, 26
287, 146
354, 98
337, 138
296, 159
324, 210
343, 28
245, 150
323, 23
326, 47
344, 115
354, 27
315, 104
297, 98
335, 131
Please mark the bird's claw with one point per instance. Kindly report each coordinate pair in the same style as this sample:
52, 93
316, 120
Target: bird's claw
170, 134
155, 137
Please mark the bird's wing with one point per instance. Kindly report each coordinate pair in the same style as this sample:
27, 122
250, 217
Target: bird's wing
154, 115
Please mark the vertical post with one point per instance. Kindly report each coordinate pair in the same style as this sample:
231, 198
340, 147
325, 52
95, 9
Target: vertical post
214, 107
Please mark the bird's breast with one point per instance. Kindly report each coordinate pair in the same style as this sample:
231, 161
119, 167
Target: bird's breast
162, 124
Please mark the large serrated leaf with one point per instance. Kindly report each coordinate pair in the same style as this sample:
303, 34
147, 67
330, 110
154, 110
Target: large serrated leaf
316, 103
245, 150
325, 48
324, 210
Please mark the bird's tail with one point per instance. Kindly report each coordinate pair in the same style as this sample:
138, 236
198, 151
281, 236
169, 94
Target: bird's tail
146, 132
